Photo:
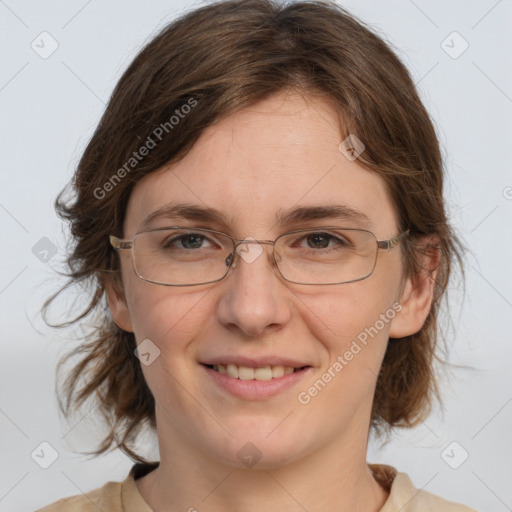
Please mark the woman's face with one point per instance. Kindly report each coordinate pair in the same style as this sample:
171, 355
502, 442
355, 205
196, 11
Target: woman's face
279, 155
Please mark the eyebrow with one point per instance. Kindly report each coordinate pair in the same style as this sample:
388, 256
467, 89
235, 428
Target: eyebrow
284, 217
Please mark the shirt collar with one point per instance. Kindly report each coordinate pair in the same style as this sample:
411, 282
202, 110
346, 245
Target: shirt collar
399, 486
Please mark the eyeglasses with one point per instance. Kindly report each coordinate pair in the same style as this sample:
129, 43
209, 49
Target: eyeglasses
185, 256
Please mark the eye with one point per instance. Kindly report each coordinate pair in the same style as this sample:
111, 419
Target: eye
323, 240
186, 241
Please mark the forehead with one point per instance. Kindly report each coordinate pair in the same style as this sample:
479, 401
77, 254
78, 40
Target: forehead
255, 166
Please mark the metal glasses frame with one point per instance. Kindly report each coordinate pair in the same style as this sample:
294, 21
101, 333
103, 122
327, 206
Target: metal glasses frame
120, 244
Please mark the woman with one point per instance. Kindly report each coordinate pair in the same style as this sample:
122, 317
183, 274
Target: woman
261, 208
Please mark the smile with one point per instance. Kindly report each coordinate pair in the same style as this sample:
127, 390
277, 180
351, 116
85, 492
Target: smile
254, 383
247, 373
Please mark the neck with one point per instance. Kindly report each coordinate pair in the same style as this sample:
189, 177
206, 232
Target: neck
333, 478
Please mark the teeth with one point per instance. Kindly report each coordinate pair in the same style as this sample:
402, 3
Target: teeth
277, 371
263, 373
232, 371
247, 373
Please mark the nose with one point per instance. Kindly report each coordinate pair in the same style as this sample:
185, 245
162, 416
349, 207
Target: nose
253, 296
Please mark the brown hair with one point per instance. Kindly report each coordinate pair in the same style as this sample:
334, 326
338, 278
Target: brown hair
222, 58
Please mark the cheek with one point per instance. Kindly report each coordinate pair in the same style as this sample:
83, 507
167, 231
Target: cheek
351, 309
352, 326
352, 321
164, 314
171, 319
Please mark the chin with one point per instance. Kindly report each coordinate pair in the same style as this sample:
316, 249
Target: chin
254, 448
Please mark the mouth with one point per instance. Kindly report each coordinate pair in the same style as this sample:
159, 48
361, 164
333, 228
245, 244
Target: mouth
256, 382
263, 373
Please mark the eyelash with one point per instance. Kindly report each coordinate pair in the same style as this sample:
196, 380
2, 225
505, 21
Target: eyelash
339, 241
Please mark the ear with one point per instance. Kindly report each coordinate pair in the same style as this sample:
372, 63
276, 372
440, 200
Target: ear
418, 291
118, 306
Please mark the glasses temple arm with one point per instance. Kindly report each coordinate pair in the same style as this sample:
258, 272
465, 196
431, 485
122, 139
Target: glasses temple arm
117, 243
389, 244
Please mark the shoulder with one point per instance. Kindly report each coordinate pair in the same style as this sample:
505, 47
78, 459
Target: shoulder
421, 500
405, 497
113, 496
107, 497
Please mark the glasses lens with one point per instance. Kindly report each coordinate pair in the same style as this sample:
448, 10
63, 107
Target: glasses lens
186, 256
327, 256
181, 256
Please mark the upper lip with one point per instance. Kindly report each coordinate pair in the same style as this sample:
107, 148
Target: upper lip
254, 362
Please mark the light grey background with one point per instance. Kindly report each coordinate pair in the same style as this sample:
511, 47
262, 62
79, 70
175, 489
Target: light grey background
49, 108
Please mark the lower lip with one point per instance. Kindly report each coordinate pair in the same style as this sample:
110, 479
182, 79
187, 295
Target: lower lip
256, 389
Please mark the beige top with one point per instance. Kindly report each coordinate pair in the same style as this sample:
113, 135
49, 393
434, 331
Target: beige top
125, 497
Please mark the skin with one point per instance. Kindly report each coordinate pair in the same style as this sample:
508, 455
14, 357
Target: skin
279, 153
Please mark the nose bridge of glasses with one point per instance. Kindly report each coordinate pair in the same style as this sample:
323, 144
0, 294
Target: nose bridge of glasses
252, 241
249, 259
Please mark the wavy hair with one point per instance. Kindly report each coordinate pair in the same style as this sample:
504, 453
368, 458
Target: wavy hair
226, 56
